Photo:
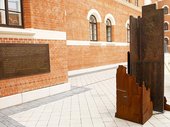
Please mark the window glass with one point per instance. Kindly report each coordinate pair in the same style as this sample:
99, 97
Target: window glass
165, 26
14, 5
2, 5
108, 23
93, 28
165, 10
15, 19
108, 30
10, 13
92, 19
94, 37
2, 17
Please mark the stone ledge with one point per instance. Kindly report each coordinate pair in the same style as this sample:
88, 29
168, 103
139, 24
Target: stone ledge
20, 98
95, 43
32, 33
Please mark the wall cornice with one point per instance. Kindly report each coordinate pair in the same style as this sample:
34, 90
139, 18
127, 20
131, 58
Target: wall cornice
130, 5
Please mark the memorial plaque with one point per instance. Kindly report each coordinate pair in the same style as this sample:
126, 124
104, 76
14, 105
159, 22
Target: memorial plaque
23, 59
147, 52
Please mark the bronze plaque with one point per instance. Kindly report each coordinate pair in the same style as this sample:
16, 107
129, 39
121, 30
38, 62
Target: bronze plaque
23, 59
147, 52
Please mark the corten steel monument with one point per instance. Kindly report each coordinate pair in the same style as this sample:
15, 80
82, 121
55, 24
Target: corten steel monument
147, 52
133, 100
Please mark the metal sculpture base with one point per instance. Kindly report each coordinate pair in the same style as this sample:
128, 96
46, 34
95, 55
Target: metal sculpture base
133, 101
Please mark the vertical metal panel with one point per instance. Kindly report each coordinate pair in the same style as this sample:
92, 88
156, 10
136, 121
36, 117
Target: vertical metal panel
133, 45
147, 52
153, 53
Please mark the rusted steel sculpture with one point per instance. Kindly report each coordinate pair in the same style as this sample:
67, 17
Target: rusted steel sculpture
133, 100
147, 52
166, 106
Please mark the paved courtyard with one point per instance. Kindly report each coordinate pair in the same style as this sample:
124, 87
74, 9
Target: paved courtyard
90, 103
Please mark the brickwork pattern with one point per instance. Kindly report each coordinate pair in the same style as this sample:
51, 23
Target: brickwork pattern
46, 14
166, 17
77, 24
58, 67
90, 56
69, 16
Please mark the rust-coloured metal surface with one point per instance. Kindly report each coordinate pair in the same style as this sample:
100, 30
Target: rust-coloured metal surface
134, 46
147, 52
166, 106
133, 100
23, 59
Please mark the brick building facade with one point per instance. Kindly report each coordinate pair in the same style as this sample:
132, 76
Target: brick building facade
84, 53
165, 4
80, 34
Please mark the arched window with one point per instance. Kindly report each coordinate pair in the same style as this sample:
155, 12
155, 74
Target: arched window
128, 32
165, 26
93, 28
165, 10
108, 30
166, 44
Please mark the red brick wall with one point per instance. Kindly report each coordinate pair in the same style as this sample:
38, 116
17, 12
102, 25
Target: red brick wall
77, 28
27, 13
44, 14
90, 56
166, 18
58, 66
77, 25
69, 16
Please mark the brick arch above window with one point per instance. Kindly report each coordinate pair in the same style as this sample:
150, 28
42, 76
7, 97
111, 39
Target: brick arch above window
95, 13
166, 42
166, 38
166, 24
166, 9
111, 18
